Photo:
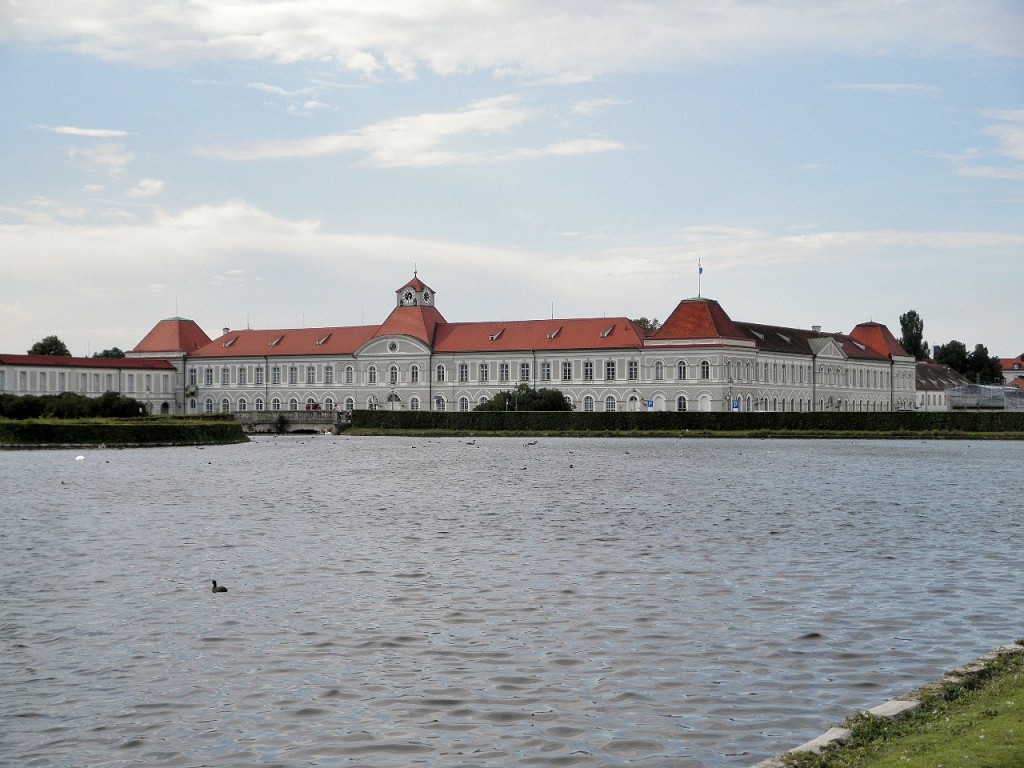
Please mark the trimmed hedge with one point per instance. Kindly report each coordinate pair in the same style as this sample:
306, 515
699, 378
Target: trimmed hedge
888, 422
205, 430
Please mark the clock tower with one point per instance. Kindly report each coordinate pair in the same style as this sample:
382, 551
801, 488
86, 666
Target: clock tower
415, 294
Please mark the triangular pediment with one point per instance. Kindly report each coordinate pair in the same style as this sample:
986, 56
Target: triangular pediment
826, 347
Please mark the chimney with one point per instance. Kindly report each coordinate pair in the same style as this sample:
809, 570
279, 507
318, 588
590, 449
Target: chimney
815, 328
225, 331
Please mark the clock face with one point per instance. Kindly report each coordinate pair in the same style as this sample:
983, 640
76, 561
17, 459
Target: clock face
407, 297
426, 297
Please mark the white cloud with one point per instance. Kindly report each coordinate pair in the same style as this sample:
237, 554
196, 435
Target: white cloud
95, 133
976, 162
594, 106
528, 37
110, 158
414, 141
146, 188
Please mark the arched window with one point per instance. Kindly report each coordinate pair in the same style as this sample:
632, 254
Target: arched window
275, 404
749, 402
705, 369
225, 405
243, 404
259, 403
414, 403
329, 404
310, 404
609, 403
371, 375
659, 371
483, 399
681, 403
775, 403
293, 404
350, 403
439, 402
208, 405
349, 374
463, 403
588, 404
414, 374
439, 376
634, 403
393, 374
681, 370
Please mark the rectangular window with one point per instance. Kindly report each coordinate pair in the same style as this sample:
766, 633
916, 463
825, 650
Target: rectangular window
311, 374
192, 378
503, 373
275, 374
633, 370
484, 372
463, 372
23, 381
165, 383
96, 382
225, 376
3, 380
208, 377
110, 382
148, 382
258, 374
609, 370
293, 374
42, 381
524, 371
329, 374
566, 370
545, 371
414, 374
348, 375
588, 371
243, 375
83, 382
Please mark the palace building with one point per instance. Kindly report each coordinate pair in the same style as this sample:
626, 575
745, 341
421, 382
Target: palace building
700, 359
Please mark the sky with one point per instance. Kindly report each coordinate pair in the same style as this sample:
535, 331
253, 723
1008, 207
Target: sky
291, 164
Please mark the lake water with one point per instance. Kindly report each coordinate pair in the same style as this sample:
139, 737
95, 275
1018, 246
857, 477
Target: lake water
416, 602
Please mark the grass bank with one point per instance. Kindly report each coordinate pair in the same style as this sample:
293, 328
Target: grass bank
973, 717
146, 431
1000, 425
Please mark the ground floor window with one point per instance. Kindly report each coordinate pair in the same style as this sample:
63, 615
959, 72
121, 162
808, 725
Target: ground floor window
609, 403
681, 403
588, 404
439, 403
463, 404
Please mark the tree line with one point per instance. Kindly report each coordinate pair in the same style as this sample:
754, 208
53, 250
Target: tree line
978, 367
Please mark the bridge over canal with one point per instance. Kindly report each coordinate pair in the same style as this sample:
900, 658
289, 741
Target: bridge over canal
277, 422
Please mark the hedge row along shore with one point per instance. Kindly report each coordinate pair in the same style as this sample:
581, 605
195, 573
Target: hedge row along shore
151, 431
888, 424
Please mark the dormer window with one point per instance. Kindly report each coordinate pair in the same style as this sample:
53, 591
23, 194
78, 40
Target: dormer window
554, 333
230, 341
496, 336
607, 332
320, 342
276, 341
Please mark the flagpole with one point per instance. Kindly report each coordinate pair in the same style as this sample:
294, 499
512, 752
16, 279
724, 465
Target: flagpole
700, 271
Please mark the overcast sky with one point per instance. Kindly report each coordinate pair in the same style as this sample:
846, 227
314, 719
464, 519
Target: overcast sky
290, 164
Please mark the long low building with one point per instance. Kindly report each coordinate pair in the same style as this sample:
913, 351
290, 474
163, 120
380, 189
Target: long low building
700, 359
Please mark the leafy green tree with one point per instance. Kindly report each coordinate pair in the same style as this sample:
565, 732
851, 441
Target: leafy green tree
954, 354
525, 398
912, 339
52, 346
651, 326
983, 368
112, 352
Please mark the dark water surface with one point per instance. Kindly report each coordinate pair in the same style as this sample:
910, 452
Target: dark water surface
403, 602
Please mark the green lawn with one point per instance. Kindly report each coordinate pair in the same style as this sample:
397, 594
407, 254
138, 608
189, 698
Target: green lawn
977, 723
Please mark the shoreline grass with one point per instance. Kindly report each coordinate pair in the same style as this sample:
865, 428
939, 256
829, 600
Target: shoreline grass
973, 717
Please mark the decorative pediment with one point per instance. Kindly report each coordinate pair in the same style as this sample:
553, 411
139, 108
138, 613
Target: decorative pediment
397, 346
826, 347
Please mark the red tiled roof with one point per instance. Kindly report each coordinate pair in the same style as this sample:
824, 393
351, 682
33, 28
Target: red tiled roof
176, 334
1012, 363
540, 335
295, 341
418, 322
1018, 383
416, 284
86, 362
878, 338
698, 319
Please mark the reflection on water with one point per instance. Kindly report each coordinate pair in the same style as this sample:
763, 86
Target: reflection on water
397, 602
